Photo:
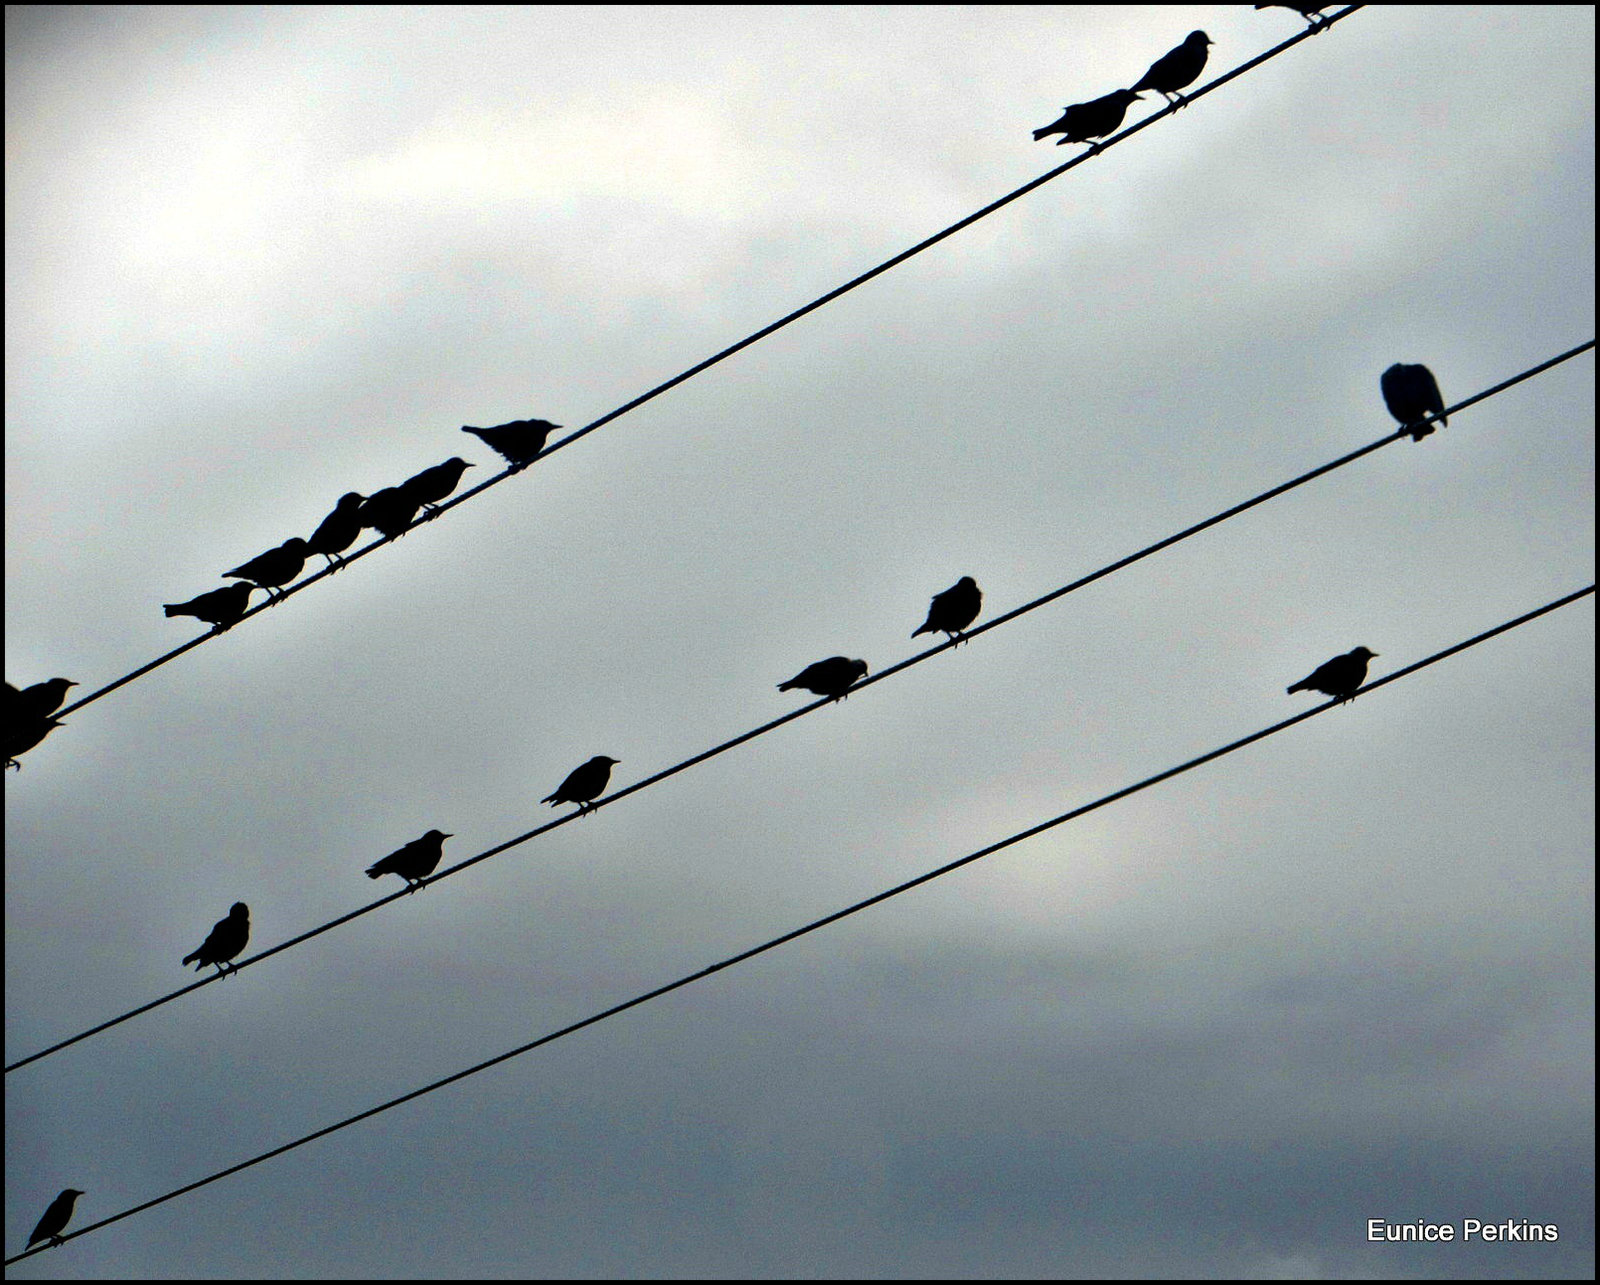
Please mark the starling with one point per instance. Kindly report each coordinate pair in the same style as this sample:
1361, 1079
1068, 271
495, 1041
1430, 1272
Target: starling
338, 531
221, 608
55, 1218
414, 862
431, 485
37, 702
954, 609
1086, 121
1171, 72
518, 442
1412, 395
390, 511
584, 784
831, 678
1312, 13
224, 942
21, 735
275, 567
1339, 677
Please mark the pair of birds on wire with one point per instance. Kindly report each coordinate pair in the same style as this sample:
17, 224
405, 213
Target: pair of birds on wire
1085, 122
27, 716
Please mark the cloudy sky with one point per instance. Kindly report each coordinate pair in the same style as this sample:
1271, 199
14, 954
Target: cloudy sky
256, 258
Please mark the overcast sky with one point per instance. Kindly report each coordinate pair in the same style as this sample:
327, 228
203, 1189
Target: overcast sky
256, 258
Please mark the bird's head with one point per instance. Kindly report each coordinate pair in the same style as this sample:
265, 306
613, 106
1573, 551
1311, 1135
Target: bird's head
601, 758
239, 911
1363, 653
439, 835
294, 544
860, 668
1198, 38
966, 582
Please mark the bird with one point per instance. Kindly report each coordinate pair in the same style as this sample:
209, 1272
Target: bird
22, 735
431, 485
414, 862
55, 1218
953, 610
39, 701
221, 608
1412, 395
518, 442
390, 511
831, 678
1339, 677
224, 941
275, 567
1312, 13
1172, 71
338, 531
1085, 121
584, 784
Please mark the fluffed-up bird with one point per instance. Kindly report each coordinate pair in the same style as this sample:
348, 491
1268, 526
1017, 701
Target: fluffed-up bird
518, 442
953, 610
1412, 395
831, 678
1312, 13
1172, 71
338, 531
1084, 122
39, 701
221, 608
275, 567
1340, 677
55, 1219
21, 735
223, 942
583, 784
414, 862
389, 511
431, 485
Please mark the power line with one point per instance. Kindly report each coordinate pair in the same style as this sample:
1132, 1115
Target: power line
730, 350
837, 915
764, 728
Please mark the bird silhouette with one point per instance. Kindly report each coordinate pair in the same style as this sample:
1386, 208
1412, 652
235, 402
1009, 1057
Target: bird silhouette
414, 862
390, 511
584, 784
518, 442
431, 485
221, 608
1172, 71
831, 678
338, 531
223, 942
1412, 395
1085, 121
21, 735
953, 610
55, 1219
1312, 13
1340, 677
39, 701
275, 567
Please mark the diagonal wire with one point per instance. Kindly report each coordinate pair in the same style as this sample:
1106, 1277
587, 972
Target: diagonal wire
731, 349
816, 705
837, 915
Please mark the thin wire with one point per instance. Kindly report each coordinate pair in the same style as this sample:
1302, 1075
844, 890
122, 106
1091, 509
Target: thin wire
826, 919
725, 353
815, 705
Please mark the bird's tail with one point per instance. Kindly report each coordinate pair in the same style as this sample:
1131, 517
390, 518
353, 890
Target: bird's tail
192, 958
377, 870
926, 629
1303, 686
1040, 133
174, 609
551, 800
476, 432
789, 686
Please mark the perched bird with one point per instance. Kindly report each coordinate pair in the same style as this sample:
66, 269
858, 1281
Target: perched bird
954, 609
1339, 677
21, 735
221, 608
55, 1218
338, 531
832, 677
431, 485
275, 567
414, 862
1312, 13
37, 702
1171, 72
224, 942
518, 442
389, 511
583, 784
1085, 121
1412, 394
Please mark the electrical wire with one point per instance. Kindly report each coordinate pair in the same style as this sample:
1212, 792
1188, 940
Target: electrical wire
811, 927
724, 354
764, 728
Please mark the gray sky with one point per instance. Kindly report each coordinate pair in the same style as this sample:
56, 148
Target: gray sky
256, 258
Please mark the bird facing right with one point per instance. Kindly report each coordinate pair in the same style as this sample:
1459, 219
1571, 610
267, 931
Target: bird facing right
1083, 122
221, 608
1412, 394
831, 678
275, 567
414, 862
953, 610
1172, 71
518, 442
55, 1219
584, 784
224, 942
1340, 677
